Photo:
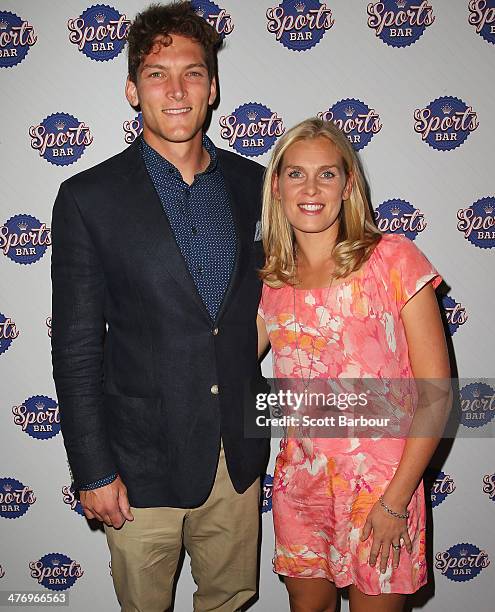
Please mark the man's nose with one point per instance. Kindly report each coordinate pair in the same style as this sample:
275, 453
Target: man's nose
176, 90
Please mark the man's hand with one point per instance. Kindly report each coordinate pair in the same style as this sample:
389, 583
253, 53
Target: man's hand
108, 504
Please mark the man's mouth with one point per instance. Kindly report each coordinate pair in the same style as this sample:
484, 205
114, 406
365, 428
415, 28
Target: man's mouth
176, 111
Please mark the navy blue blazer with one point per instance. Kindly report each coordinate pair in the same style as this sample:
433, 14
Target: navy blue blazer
147, 383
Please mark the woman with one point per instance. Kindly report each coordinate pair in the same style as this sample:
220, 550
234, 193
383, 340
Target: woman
342, 301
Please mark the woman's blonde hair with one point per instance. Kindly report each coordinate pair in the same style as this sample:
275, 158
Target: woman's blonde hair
357, 235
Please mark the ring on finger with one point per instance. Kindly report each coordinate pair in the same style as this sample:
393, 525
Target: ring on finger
396, 546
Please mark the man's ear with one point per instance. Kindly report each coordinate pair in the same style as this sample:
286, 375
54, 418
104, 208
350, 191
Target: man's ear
131, 93
213, 91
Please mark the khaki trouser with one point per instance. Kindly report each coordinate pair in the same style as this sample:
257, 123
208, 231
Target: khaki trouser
221, 537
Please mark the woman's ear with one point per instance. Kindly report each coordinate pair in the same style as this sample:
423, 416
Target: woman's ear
275, 188
348, 187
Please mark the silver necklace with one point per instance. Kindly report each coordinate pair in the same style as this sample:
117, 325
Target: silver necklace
313, 340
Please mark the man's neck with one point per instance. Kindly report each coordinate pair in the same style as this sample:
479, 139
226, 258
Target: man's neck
190, 158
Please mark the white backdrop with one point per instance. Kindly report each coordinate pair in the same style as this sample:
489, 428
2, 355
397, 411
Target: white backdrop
412, 81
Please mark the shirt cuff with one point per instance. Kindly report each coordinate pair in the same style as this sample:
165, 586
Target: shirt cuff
98, 483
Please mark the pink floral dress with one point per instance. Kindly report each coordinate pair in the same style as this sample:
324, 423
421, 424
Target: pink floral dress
323, 489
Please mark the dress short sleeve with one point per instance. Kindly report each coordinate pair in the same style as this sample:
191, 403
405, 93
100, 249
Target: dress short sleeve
409, 268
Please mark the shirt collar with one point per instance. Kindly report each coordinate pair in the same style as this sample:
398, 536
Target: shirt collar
154, 159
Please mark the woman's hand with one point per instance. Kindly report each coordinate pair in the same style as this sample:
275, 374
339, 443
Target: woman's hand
388, 531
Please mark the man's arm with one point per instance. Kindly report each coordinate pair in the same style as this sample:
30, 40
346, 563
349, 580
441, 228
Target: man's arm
78, 334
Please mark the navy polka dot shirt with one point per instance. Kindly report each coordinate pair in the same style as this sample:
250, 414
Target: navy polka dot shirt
201, 221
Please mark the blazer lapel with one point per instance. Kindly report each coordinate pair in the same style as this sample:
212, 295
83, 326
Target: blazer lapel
242, 247
152, 228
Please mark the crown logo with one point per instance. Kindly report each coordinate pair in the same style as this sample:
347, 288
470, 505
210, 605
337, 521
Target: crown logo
252, 115
55, 561
299, 6
395, 211
463, 552
100, 18
200, 12
401, 3
349, 111
4, 24
22, 225
447, 109
40, 405
7, 487
488, 209
60, 125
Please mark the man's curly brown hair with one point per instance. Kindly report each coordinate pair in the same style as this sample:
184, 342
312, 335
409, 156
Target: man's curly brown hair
159, 22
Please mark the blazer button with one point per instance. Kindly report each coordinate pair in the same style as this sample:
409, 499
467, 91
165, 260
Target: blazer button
214, 331
214, 389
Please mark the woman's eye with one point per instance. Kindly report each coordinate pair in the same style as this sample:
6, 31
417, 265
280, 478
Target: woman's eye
327, 174
295, 174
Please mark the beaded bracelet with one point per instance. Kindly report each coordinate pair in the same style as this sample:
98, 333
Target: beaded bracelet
392, 512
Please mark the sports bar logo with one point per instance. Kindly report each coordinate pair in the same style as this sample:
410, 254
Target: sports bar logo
445, 123
455, 313
133, 128
69, 497
251, 129
15, 498
400, 217
48, 323
24, 239
38, 416
477, 403
61, 139
56, 571
215, 16
461, 562
299, 24
2, 572
477, 223
489, 486
358, 122
266, 504
100, 32
482, 16
17, 36
8, 332
400, 23
440, 485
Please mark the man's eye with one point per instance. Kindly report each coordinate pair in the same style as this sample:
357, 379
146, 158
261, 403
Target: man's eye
195, 74
155, 74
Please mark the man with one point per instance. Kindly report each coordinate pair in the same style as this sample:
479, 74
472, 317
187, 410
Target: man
155, 292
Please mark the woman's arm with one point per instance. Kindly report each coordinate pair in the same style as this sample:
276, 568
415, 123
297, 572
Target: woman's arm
429, 360
263, 340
